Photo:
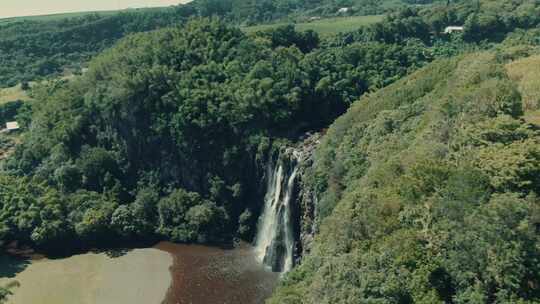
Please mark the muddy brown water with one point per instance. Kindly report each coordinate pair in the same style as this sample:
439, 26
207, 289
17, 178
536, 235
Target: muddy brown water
208, 275
165, 274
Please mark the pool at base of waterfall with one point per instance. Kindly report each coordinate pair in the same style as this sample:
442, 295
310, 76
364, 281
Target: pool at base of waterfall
209, 275
165, 274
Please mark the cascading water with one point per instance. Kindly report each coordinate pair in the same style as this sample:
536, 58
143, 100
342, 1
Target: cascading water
275, 236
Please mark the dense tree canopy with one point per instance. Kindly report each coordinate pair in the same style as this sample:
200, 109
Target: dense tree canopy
428, 193
165, 135
264, 11
30, 50
491, 21
427, 187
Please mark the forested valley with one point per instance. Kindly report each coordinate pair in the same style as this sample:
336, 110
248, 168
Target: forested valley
426, 178
32, 49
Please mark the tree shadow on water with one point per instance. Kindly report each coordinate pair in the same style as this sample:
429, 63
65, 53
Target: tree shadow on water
10, 266
113, 253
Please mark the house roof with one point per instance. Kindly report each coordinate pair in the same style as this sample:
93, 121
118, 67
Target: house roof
12, 125
449, 29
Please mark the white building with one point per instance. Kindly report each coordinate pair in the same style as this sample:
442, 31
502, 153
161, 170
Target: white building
12, 126
452, 29
344, 10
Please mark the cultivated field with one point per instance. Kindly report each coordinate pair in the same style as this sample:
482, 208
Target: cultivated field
325, 27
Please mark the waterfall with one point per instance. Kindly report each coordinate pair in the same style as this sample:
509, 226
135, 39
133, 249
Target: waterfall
275, 236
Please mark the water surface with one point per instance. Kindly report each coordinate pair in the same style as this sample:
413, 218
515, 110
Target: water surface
166, 274
209, 275
139, 276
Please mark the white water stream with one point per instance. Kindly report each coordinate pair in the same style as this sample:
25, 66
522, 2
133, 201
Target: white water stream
275, 237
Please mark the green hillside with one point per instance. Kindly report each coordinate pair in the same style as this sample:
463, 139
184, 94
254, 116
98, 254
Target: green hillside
429, 192
63, 16
211, 101
425, 186
38, 47
54, 17
53, 46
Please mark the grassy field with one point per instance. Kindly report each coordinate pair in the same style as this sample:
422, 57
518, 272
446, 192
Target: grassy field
527, 78
12, 94
525, 73
325, 27
17, 93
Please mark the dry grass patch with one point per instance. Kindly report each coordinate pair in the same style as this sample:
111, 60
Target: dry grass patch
533, 117
12, 94
526, 72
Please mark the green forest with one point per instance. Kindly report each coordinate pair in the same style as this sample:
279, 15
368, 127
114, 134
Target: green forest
31, 49
209, 101
428, 193
427, 177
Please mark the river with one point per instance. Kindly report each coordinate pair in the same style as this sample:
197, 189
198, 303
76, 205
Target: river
164, 274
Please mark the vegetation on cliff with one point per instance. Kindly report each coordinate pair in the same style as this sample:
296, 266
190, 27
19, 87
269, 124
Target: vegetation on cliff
428, 193
165, 134
427, 188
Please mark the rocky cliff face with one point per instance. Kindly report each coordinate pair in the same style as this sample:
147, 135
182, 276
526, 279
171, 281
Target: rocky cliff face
286, 223
306, 199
